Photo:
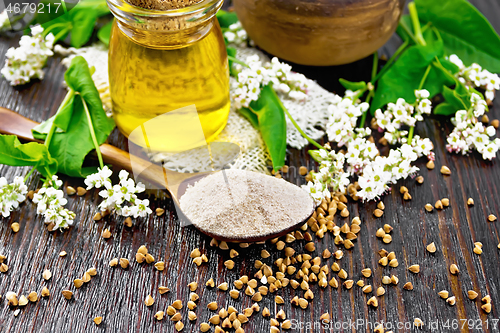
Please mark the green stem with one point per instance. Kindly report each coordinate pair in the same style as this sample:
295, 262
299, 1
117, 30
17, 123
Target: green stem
358, 96
416, 23
390, 61
410, 33
61, 34
233, 59
422, 82
420, 86
66, 100
302, 132
311, 141
363, 117
29, 173
92, 133
410, 134
372, 91
52, 27
63, 4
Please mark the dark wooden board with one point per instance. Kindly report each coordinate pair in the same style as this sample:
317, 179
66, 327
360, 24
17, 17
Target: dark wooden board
118, 295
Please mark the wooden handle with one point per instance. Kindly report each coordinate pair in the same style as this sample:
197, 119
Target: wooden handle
142, 168
13, 123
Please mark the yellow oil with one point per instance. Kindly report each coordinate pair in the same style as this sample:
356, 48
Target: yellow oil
146, 82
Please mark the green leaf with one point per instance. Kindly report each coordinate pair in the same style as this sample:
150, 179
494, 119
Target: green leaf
457, 100
250, 116
61, 120
449, 66
105, 32
437, 78
445, 109
100, 7
83, 22
464, 30
13, 153
405, 75
231, 53
41, 130
272, 124
73, 142
79, 78
353, 85
226, 18
60, 27
56, 14
405, 29
78, 21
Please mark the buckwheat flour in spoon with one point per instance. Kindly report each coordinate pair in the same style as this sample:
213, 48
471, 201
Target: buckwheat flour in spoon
243, 204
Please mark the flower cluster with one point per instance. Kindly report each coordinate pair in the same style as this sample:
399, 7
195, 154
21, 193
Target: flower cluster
401, 114
469, 133
360, 151
122, 197
11, 195
362, 159
235, 34
385, 170
50, 201
250, 80
331, 176
477, 77
343, 116
27, 61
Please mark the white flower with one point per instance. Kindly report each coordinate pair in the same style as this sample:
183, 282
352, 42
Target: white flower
11, 195
230, 36
489, 95
422, 94
235, 34
50, 201
127, 188
27, 61
489, 151
141, 208
422, 147
477, 77
249, 81
123, 175
424, 106
331, 176
98, 179
373, 181
470, 134
456, 60
121, 197
315, 190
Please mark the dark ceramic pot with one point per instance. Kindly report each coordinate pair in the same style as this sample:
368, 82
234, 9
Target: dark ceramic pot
319, 32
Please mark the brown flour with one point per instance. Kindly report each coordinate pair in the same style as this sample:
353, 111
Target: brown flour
162, 4
176, 26
249, 204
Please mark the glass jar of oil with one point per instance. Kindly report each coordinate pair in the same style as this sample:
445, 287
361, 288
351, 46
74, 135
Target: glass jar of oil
160, 62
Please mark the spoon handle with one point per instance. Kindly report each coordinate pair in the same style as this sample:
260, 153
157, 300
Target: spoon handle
13, 123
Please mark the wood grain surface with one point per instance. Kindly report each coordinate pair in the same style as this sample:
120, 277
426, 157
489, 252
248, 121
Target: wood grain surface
118, 294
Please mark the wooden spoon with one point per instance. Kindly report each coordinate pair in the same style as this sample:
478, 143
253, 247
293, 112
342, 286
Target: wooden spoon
176, 183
